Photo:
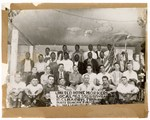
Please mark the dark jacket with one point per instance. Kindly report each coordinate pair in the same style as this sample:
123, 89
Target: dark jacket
81, 68
97, 54
93, 63
66, 77
22, 65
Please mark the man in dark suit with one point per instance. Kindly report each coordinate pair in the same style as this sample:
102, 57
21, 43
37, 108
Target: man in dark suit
92, 62
98, 51
79, 64
60, 73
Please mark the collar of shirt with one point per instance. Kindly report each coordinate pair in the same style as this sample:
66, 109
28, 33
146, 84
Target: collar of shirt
76, 63
77, 72
47, 56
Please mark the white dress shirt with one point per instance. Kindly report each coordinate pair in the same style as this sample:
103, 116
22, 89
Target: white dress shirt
34, 89
85, 55
136, 65
27, 66
83, 87
68, 65
40, 66
92, 78
127, 88
44, 79
106, 53
131, 75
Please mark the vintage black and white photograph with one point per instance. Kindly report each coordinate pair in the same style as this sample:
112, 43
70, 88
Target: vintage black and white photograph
74, 57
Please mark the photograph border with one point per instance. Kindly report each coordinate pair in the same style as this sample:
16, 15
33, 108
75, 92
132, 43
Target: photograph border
92, 111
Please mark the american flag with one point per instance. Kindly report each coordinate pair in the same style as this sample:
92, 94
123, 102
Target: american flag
109, 60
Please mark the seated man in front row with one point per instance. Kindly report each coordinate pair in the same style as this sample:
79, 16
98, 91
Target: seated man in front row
86, 86
47, 88
32, 93
127, 91
110, 89
15, 91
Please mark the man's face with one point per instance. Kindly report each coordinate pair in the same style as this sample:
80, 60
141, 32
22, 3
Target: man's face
27, 55
102, 69
18, 78
130, 66
76, 57
34, 82
61, 68
109, 47
62, 82
137, 57
34, 70
102, 54
47, 50
105, 81
77, 48
86, 79
53, 56
90, 47
124, 81
98, 47
47, 70
66, 56
89, 55
40, 58
51, 80
89, 69
64, 48
117, 66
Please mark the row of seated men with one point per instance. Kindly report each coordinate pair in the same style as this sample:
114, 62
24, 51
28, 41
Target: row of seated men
121, 87
95, 58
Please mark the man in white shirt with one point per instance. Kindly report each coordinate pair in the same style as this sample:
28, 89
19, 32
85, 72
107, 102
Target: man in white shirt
15, 91
116, 74
136, 62
85, 86
109, 47
127, 92
47, 56
40, 65
44, 77
68, 64
92, 76
85, 55
27, 64
130, 74
32, 92
101, 74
